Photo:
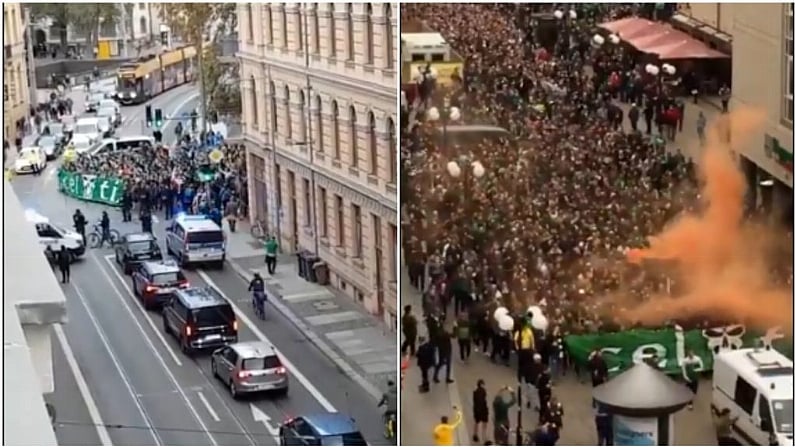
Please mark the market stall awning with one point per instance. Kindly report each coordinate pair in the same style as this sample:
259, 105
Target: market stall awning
629, 27
685, 49
660, 39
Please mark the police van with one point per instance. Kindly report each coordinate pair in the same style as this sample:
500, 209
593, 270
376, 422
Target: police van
755, 385
195, 239
52, 237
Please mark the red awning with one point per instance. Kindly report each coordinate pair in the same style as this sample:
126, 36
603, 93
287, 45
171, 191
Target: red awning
660, 39
660, 36
629, 27
685, 49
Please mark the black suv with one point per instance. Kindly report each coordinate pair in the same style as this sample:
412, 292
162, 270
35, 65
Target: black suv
200, 318
155, 282
134, 248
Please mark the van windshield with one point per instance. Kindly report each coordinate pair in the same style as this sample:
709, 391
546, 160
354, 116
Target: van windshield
205, 237
85, 128
214, 316
782, 415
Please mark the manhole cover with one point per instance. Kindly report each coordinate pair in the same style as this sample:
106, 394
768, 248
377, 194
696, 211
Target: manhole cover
325, 305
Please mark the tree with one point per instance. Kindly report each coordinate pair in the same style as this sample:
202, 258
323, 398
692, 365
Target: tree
86, 16
202, 24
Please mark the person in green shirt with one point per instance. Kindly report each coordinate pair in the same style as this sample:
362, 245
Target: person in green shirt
271, 248
503, 401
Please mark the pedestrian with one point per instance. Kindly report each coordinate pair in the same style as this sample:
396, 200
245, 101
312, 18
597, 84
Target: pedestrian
598, 368
146, 220
701, 125
502, 421
531, 376
723, 421
126, 206
79, 221
725, 94
544, 387
444, 432
463, 334
691, 365
231, 213
444, 351
271, 248
105, 226
409, 328
604, 426
634, 116
480, 410
544, 435
426, 358
64, 261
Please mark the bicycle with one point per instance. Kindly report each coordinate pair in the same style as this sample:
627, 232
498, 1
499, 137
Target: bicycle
390, 426
258, 230
258, 303
95, 237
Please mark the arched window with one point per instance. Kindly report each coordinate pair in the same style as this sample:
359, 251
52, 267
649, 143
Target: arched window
393, 151
349, 30
274, 117
315, 29
251, 22
142, 25
301, 24
288, 117
372, 141
284, 25
302, 117
369, 45
319, 130
335, 129
389, 36
269, 10
354, 137
254, 105
332, 28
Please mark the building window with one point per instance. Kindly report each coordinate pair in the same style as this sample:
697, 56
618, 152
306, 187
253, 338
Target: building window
340, 221
389, 37
393, 152
254, 105
368, 26
332, 28
302, 137
335, 129
319, 131
302, 22
142, 26
283, 13
251, 22
315, 30
288, 117
269, 21
393, 243
372, 141
323, 212
307, 203
354, 136
274, 117
788, 103
357, 230
349, 30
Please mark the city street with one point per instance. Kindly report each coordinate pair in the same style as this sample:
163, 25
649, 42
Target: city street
121, 380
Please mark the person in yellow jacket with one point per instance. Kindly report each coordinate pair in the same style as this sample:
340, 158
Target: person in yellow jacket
9, 175
444, 433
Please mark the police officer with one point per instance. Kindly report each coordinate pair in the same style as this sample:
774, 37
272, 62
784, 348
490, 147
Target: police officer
126, 206
80, 223
146, 220
105, 225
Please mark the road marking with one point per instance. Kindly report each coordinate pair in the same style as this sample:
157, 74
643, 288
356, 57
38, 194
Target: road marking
261, 416
287, 363
109, 259
209, 407
149, 342
82, 385
104, 339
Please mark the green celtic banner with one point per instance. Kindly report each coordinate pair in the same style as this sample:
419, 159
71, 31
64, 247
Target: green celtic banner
91, 188
621, 350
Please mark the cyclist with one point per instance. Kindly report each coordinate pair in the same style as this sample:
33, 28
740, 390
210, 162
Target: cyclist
257, 287
104, 223
390, 401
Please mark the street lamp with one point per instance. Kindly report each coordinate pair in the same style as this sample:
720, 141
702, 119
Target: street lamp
447, 115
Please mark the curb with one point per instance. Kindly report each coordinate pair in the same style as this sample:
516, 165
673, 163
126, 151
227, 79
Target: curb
343, 365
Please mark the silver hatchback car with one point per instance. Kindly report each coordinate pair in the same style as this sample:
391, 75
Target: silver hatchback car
250, 367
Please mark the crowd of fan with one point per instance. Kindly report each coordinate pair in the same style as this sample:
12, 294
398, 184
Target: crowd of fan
173, 178
552, 216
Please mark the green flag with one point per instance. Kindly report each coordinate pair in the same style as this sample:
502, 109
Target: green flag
91, 188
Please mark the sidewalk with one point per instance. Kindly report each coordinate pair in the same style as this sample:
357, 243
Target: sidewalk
355, 341
419, 413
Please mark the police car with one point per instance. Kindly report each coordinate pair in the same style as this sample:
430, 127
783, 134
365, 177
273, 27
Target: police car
196, 239
52, 237
755, 385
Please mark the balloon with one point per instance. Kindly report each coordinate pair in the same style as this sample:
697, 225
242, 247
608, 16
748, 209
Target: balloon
505, 323
477, 169
433, 114
455, 114
539, 321
500, 312
453, 169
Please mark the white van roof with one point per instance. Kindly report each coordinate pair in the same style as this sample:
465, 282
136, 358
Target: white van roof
765, 369
196, 223
89, 120
34, 217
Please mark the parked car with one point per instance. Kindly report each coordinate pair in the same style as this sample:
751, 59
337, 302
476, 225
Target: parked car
50, 145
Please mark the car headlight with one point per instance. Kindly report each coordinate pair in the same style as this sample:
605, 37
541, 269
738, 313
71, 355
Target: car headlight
133, 95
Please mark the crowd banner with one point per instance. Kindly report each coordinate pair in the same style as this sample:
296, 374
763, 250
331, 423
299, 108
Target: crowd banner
621, 350
91, 188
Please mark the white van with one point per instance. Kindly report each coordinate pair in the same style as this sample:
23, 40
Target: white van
109, 145
196, 240
88, 127
52, 237
755, 384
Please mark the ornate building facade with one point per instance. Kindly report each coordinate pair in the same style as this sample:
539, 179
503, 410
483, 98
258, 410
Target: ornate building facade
16, 93
319, 96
